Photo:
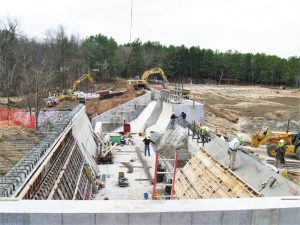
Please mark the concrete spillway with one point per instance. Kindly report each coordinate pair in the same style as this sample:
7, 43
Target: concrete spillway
69, 158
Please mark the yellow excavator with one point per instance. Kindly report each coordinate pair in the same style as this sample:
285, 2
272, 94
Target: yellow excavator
68, 94
143, 82
292, 141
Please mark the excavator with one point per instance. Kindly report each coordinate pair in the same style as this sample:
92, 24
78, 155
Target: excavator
292, 141
68, 94
143, 82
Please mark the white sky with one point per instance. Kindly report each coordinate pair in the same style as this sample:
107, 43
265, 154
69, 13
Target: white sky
270, 26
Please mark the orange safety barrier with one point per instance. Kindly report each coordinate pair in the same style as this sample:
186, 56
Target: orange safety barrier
16, 117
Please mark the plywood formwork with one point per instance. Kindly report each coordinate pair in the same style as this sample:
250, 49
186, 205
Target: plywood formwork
205, 177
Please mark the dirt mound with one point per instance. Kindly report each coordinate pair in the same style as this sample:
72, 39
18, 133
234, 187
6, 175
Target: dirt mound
95, 107
232, 109
17, 132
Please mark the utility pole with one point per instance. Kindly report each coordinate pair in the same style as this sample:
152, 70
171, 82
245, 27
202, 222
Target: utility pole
130, 21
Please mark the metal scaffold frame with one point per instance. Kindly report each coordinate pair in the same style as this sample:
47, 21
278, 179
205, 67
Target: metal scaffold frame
172, 172
23, 170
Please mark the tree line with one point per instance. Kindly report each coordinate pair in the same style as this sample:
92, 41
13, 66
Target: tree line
28, 65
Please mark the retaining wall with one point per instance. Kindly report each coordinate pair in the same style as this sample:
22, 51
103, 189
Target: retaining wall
246, 211
82, 132
114, 118
155, 114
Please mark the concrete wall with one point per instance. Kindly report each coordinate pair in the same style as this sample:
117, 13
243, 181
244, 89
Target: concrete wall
194, 111
245, 211
155, 114
82, 131
129, 110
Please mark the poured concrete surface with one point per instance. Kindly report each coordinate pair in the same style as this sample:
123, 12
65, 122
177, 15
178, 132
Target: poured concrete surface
138, 181
163, 119
250, 169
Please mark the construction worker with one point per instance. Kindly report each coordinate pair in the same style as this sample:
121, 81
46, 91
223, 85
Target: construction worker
280, 152
233, 148
183, 115
172, 121
204, 134
147, 142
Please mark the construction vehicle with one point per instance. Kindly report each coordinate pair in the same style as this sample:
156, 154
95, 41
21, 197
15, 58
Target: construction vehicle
68, 94
292, 141
51, 101
143, 82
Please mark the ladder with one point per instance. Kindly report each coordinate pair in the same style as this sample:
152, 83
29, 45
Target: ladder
171, 173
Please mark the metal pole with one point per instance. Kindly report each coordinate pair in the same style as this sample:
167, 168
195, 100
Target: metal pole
155, 177
174, 174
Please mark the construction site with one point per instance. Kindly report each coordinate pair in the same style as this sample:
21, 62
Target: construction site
90, 146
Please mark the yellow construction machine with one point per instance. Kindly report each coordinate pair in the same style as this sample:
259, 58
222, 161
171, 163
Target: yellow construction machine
143, 82
68, 94
292, 141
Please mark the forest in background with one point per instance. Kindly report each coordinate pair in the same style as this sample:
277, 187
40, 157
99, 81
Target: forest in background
28, 65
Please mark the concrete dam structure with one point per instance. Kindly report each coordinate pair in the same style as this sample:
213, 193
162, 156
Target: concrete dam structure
112, 179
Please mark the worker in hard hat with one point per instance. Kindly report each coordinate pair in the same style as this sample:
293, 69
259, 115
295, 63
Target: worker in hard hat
172, 121
147, 142
234, 146
204, 134
280, 152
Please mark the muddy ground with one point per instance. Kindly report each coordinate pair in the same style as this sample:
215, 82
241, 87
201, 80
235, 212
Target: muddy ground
233, 109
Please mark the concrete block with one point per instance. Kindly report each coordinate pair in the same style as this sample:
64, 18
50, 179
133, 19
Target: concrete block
289, 216
79, 219
175, 218
240, 217
213, 217
144, 218
14, 219
112, 219
267, 216
49, 219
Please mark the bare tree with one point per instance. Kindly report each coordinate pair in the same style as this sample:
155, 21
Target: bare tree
8, 57
39, 81
27, 81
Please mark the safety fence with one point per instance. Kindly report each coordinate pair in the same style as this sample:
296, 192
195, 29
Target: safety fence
17, 117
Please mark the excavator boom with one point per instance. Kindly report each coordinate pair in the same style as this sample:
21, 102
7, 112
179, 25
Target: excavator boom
159, 71
142, 83
80, 79
69, 93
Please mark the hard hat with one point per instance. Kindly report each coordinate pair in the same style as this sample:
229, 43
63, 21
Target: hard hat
240, 137
173, 113
281, 143
148, 137
205, 128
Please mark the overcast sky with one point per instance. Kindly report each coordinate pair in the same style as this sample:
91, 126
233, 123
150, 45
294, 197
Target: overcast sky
270, 26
